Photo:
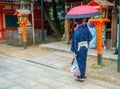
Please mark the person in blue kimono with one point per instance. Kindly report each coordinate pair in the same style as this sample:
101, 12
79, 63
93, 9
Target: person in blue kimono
79, 47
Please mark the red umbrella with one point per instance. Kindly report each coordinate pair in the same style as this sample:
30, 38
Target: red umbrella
82, 11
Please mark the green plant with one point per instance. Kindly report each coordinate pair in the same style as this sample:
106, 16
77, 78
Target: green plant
95, 66
63, 37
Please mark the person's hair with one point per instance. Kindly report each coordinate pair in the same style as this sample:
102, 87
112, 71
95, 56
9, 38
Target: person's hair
79, 21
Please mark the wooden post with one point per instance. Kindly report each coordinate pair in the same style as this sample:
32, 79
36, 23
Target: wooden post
33, 23
114, 25
67, 31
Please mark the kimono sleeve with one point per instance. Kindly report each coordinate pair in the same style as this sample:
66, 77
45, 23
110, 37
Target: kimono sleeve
74, 44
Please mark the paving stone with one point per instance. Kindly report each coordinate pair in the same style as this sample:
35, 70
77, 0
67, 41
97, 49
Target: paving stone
6, 84
103, 84
54, 60
15, 69
41, 86
16, 87
70, 81
9, 75
2, 69
27, 83
2, 80
50, 82
92, 86
69, 87
60, 65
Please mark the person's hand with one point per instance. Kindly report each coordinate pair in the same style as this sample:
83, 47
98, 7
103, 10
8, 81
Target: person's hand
74, 55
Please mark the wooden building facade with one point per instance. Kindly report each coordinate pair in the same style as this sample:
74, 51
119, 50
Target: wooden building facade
8, 21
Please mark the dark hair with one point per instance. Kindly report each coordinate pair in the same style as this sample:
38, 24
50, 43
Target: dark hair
79, 21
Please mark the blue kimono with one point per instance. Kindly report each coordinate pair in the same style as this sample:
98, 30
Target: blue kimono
79, 46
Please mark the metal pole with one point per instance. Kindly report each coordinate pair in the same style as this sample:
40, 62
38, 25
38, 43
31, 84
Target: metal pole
33, 23
42, 17
119, 40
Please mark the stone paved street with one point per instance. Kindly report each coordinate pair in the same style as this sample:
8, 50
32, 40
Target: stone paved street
21, 74
36, 68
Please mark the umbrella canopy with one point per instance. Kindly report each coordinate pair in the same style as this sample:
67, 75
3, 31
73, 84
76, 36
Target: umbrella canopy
82, 11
